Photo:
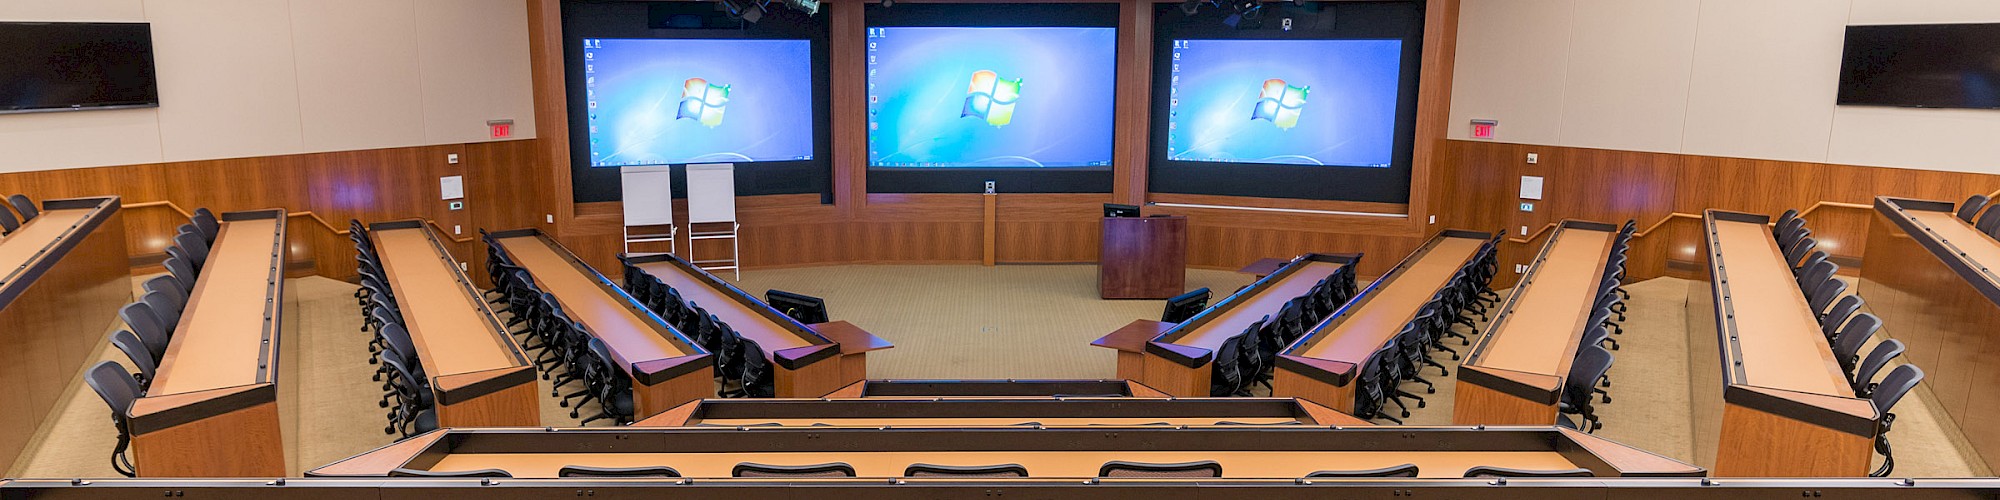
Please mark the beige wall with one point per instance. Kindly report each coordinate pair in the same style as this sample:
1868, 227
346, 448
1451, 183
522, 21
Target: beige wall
1736, 78
243, 78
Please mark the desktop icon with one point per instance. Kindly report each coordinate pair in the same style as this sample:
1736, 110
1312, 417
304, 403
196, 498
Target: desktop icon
703, 102
1280, 103
992, 98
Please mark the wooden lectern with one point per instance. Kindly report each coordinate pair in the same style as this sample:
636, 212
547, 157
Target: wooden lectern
1142, 258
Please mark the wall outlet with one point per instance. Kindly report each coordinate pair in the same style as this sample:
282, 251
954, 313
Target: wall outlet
1434, 219
1520, 268
461, 266
549, 218
452, 158
1534, 158
1524, 230
455, 229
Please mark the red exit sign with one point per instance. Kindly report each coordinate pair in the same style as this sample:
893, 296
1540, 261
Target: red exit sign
1483, 129
500, 129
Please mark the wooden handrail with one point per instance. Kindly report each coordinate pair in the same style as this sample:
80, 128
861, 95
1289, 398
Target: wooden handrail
315, 217
1677, 215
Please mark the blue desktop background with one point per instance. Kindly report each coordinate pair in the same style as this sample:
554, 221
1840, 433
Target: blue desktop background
918, 78
637, 85
1349, 118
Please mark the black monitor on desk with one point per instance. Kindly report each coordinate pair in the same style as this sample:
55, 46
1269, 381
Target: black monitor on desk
1117, 210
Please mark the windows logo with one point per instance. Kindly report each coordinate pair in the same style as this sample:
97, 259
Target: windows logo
703, 102
1280, 103
992, 98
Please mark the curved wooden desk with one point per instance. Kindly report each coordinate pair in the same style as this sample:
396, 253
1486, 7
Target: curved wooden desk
65, 275
806, 362
212, 409
1179, 360
1321, 366
666, 368
1009, 388
1773, 402
1514, 374
479, 375
1000, 412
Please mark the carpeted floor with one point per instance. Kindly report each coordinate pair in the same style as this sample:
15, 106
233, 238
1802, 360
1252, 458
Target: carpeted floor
947, 321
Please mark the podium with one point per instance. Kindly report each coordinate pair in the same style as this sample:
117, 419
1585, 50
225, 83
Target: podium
1142, 258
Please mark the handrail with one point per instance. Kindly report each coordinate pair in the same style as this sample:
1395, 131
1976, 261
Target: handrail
315, 217
1677, 215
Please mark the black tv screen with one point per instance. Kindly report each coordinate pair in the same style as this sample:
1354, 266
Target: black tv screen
66, 66
1923, 65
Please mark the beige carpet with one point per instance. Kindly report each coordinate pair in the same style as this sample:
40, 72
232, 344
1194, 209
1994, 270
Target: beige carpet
947, 321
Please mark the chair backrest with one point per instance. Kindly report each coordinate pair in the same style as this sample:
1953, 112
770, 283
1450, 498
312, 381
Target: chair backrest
1819, 273
1837, 316
1594, 334
193, 244
181, 271
1405, 470
399, 341
140, 318
614, 379
1798, 253
206, 225
165, 307
1988, 222
1228, 374
1484, 471
1893, 387
1812, 259
1784, 219
759, 380
1847, 345
402, 472
135, 349
1117, 468
168, 285
22, 204
1803, 240
116, 387
930, 470
834, 469
1865, 373
1824, 296
1789, 231
1591, 363
7, 221
588, 471
1971, 206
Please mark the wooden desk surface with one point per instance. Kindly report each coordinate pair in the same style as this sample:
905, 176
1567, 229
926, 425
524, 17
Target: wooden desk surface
1081, 464
1976, 247
768, 334
1782, 346
629, 336
1546, 321
453, 333
20, 247
221, 334
1266, 303
990, 421
1383, 315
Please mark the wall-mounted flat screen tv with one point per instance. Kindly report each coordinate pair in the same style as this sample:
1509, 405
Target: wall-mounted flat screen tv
74, 66
992, 97
675, 101
1922, 65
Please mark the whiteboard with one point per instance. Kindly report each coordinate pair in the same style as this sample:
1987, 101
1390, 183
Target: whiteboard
649, 195
711, 193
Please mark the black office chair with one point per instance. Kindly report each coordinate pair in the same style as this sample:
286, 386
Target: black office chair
1504, 472
1847, 345
1783, 220
135, 350
166, 308
614, 389
1405, 470
8, 224
208, 227
23, 205
607, 472
1810, 278
1374, 384
402, 472
1864, 376
1204, 468
965, 471
1971, 206
759, 379
182, 272
188, 239
1843, 309
834, 469
1592, 362
1792, 232
1225, 372
140, 319
1893, 387
169, 286
1820, 299
118, 390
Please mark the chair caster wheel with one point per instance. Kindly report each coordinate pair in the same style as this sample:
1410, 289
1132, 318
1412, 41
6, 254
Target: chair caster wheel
564, 404
1428, 390
1420, 404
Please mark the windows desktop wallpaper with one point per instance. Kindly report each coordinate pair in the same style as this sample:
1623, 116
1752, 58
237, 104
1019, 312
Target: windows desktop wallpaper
1297, 102
673, 101
991, 97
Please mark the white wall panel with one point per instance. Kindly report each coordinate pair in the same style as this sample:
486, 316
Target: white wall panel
474, 55
1627, 84
357, 71
1960, 140
1765, 75
1510, 64
228, 79
73, 10
1924, 11
45, 141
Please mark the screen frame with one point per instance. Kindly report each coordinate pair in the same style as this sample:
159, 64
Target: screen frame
1089, 179
1315, 21
152, 72
635, 20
